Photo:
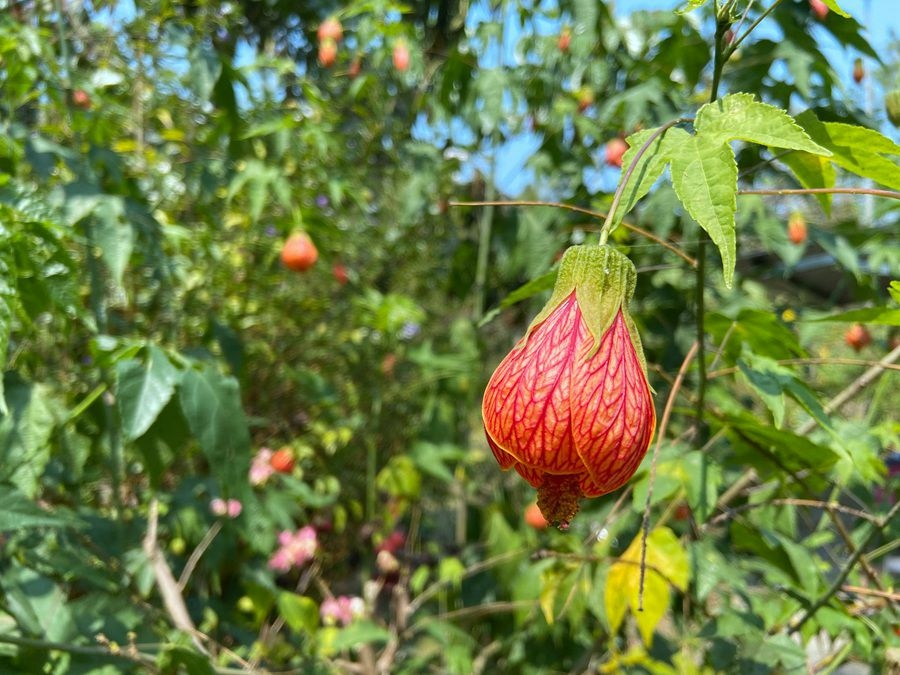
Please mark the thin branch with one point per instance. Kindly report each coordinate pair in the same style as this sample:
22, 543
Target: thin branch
765, 162
861, 590
594, 214
197, 553
433, 590
721, 348
812, 361
165, 581
740, 23
663, 426
874, 528
593, 536
848, 542
700, 309
890, 194
484, 609
855, 387
530, 202
815, 503
124, 653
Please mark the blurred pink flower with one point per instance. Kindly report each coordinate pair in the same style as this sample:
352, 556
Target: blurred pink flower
261, 467
341, 609
295, 548
218, 507
232, 508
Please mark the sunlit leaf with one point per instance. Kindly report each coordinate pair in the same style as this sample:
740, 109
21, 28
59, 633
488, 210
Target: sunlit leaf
17, 512
885, 316
704, 175
856, 149
25, 434
742, 117
144, 389
299, 612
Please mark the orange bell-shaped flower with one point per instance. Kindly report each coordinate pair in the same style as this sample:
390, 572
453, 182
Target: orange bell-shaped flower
570, 408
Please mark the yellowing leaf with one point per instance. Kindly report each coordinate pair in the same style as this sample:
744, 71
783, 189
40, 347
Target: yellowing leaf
550, 580
125, 145
617, 593
176, 135
667, 564
834, 7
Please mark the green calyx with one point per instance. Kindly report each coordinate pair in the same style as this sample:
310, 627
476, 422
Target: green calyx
603, 280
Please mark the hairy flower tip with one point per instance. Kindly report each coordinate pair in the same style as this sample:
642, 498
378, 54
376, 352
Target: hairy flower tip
570, 408
558, 499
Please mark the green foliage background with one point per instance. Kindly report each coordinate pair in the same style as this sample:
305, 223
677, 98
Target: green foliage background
154, 158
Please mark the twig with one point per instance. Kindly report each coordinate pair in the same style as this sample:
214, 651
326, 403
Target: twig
721, 349
125, 654
165, 581
592, 537
874, 528
811, 361
736, 43
480, 661
854, 388
815, 503
663, 425
484, 609
432, 590
700, 309
594, 214
197, 553
848, 542
861, 590
890, 194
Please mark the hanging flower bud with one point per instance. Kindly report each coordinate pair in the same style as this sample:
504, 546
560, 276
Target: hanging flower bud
570, 408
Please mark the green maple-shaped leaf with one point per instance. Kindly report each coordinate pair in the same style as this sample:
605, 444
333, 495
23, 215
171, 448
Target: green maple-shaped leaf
742, 117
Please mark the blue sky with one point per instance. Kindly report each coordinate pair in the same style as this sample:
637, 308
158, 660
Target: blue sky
512, 176
880, 18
